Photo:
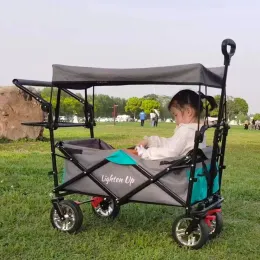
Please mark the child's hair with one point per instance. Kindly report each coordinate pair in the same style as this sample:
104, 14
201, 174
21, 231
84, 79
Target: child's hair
189, 97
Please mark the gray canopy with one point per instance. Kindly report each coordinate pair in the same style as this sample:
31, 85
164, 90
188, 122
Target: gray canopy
75, 77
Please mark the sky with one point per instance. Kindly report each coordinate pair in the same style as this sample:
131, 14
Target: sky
131, 34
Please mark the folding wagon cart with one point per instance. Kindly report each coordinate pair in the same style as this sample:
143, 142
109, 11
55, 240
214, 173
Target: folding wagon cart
113, 177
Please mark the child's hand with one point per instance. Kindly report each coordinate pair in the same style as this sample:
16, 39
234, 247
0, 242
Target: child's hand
140, 150
143, 143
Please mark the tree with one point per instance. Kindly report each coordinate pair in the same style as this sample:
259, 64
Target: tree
103, 105
240, 106
151, 96
133, 105
46, 94
230, 109
164, 102
235, 106
148, 105
214, 112
121, 102
242, 118
106, 105
97, 105
257, 116
68, 105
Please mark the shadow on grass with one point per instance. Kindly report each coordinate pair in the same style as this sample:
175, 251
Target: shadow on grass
144, 218
23, 140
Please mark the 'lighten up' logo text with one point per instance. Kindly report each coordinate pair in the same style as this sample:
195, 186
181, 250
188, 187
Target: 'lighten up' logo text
127, 180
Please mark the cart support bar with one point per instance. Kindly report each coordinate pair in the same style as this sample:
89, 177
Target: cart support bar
33, 83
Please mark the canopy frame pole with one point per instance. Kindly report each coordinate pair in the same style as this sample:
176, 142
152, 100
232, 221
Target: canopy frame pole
53, 154
81, 100
88, 111
206, 108
93, 101
197, 140
199, 105
57, 110
38, 98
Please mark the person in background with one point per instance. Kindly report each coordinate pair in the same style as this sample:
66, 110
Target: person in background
246, 124
253, 124
257, 124
142, 116
156, 118
152, 116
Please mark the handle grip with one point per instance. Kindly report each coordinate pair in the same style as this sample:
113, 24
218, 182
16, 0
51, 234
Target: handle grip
224, 45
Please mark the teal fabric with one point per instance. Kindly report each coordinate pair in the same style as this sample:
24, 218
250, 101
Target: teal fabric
122, 158
199, 191
63, 175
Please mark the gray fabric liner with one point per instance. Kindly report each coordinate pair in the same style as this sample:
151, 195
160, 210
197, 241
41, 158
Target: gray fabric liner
123, 176
83, 77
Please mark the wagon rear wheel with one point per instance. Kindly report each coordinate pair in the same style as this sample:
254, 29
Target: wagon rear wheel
198, 236
216, 225
73, 217
105, 207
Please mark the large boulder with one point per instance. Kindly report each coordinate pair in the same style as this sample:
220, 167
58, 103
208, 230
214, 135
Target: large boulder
17, 107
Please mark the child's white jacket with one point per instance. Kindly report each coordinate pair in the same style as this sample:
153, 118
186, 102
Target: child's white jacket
179, 144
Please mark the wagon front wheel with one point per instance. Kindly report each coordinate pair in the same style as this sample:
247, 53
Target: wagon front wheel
104, 207
73, 217
190, 233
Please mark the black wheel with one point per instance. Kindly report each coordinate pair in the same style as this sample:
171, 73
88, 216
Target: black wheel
105, 207
216, 225
196, 239
72, 214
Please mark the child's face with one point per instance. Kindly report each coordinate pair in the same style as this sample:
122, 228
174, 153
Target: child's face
184, 116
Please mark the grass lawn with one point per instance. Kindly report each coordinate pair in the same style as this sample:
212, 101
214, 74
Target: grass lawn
140, 231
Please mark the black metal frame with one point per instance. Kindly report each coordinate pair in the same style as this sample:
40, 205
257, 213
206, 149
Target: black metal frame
198, 209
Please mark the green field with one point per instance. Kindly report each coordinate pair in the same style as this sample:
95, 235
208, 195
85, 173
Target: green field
141, 231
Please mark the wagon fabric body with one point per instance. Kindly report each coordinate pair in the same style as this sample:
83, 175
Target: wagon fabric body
120, 177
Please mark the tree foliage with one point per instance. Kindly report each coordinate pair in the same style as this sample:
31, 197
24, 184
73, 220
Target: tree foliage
69, 106
240, 106
242, 117
149, 104
151, 96
133, 105
214, 113
235, 107
164, 101
257, 116
103, 105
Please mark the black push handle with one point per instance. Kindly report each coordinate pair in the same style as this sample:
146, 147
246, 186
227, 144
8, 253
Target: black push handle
228, 55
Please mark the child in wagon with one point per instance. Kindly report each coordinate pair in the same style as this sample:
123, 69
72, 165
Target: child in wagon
184, 108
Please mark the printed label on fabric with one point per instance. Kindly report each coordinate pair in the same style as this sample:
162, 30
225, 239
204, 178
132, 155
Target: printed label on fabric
108, 179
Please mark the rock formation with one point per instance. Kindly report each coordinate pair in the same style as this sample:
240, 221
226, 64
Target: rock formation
17, 107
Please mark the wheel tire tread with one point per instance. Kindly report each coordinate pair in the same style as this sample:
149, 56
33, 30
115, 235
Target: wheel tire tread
113, 215
219, 225
204, 237
78, 216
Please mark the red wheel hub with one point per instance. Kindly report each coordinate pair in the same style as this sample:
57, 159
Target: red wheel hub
96, 201
210, 216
